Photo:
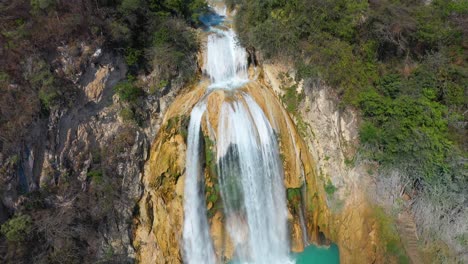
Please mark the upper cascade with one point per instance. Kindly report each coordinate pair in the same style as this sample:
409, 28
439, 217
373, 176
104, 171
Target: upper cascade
226, 60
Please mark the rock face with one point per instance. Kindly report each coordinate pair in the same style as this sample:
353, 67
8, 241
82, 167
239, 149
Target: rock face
331, 136
89, 158
159, 224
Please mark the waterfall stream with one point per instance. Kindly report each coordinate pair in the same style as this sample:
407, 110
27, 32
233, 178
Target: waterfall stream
196, 224
247, 161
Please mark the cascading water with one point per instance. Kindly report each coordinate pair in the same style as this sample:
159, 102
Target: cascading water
248, 164
195, 231
251, 180
226, 62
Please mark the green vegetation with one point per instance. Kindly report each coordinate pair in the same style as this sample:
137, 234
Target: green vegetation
388, 235
294, 197
42, 5
4, 79
178, 125
127, 115
95, 175
330, 189
210, 156
18, 228
213, 194
127, 91
290, 98
402, 63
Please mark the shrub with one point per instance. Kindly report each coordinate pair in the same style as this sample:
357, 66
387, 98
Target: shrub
129, 6
127, 115
369, 133
291, 99
173, 49
48, 96
95, 175
43, 5
132, 56
119, 31
4, 79
18, 228
127, 91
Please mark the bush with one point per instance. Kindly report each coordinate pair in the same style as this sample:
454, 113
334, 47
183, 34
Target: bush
18, 228
49, 97
95, 175
43, 5
127, 91
173, 49
294, 197
369, 133
129, 6
4, 79
127, 115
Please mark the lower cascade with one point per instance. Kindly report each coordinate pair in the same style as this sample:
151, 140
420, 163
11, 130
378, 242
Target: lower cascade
251, 186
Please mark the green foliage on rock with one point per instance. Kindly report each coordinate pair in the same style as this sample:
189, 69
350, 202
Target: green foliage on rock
95, 175
128, 91
388, 236
330, 189
294, 197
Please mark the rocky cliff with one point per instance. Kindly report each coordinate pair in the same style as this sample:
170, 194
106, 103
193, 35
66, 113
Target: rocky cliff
78, 173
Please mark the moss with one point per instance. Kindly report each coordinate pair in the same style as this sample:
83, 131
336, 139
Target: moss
330, 189
294, 196
291, 99
127, 115
388, 236
178, 125
212, 194
210, 157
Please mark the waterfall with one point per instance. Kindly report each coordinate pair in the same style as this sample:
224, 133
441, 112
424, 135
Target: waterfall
251, 178
248, 165
226, 60
196, 231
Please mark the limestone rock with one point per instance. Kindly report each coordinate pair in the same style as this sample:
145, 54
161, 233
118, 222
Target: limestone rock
95, 88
